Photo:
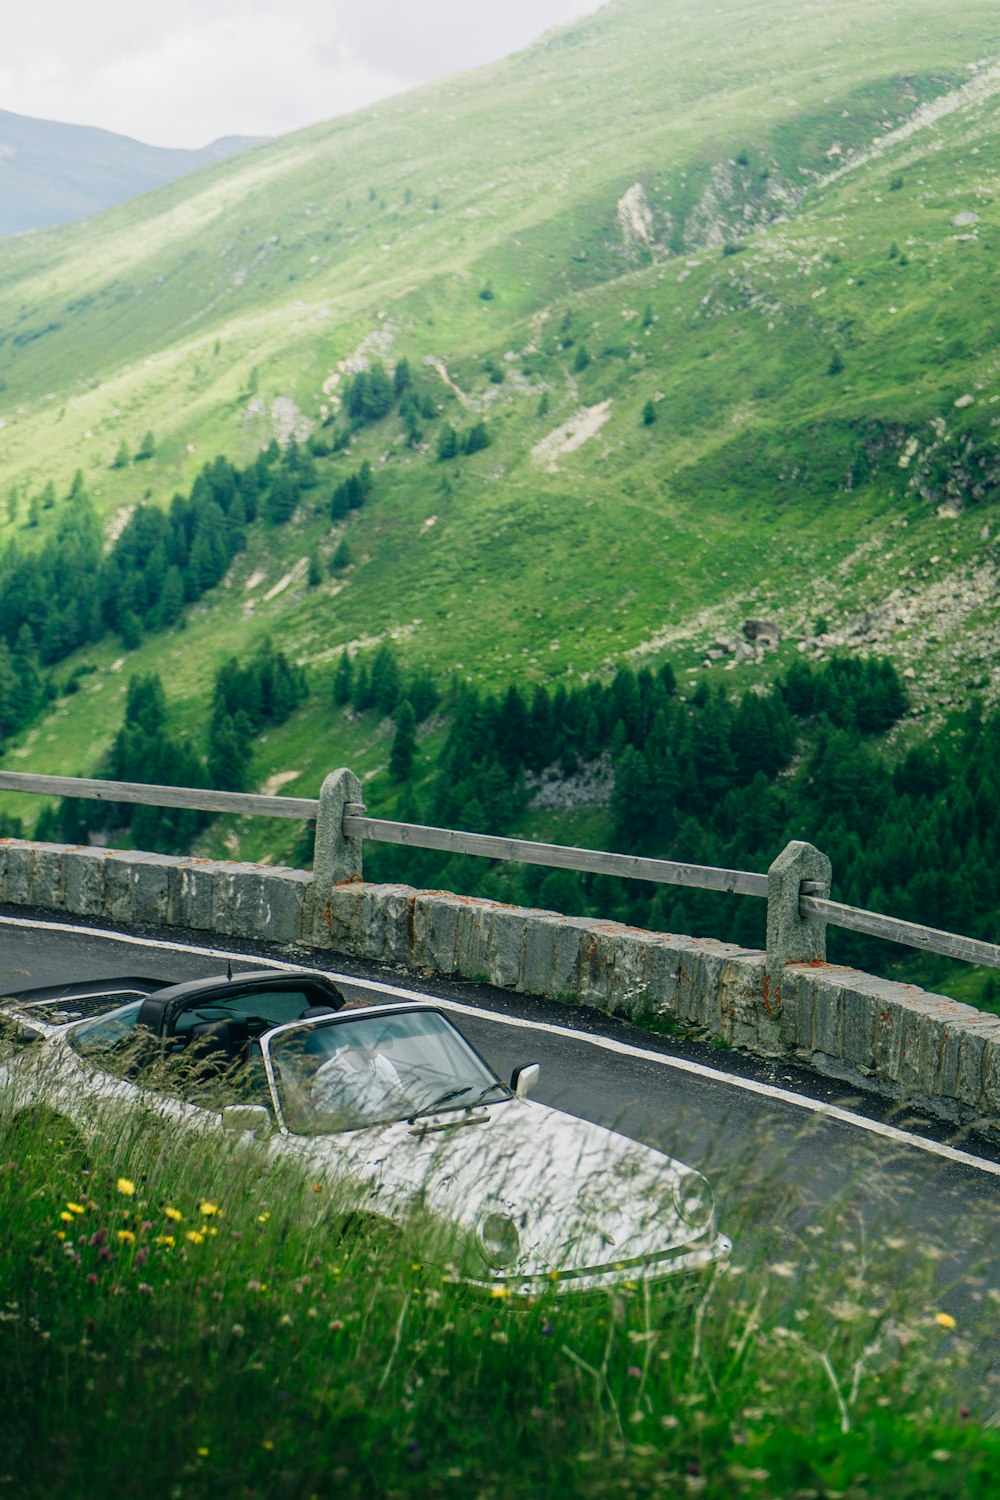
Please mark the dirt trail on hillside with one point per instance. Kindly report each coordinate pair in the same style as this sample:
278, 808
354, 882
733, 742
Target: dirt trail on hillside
983, 86
571, 435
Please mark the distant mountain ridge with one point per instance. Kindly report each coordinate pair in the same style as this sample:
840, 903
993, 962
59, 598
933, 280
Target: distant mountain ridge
51, 173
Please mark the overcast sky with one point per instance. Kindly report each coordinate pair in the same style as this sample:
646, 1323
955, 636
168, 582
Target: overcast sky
184, 72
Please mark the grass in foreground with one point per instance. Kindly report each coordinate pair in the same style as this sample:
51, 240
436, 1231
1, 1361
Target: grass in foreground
173, 1322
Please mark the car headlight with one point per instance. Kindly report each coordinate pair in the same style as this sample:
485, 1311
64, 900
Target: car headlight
694, 1200
499, 1239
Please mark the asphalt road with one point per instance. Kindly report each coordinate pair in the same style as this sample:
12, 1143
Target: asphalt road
793, 1158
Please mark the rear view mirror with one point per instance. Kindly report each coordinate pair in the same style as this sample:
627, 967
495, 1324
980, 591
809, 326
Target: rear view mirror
256, 1118
524, 1078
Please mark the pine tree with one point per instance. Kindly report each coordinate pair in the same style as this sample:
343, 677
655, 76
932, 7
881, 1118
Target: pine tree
171, 605
630, 800
477, 438
402, 379
343, 680
146, 704
230, 751
342, 557
540, 751
130, 630
447, 443
10, 719
361, 694
370, 395
512, 732
561, 891
282, 498
386, 679
404, 742
423, 695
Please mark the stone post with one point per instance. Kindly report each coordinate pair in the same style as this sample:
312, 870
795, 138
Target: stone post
792, 937
336, 857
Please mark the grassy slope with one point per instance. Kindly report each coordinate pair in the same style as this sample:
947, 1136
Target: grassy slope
378, 232
350, 1363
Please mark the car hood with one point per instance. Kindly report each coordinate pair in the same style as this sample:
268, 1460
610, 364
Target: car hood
582, 1197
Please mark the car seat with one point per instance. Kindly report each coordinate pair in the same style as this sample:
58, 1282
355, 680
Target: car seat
218, 1046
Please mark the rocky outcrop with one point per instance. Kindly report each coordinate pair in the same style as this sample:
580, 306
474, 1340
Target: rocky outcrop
591, 785
635, 218
758, 637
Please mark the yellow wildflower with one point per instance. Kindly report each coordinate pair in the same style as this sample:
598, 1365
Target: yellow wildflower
263, 1218
945, 1320
164, 1239
76, 1208
202, 1452
67, 1218
174, 1214
195, 1236
207, 1209
126, 1186
498, 1291
126, 1236
60, 1234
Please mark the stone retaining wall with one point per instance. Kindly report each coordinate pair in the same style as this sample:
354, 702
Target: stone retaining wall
892, 1038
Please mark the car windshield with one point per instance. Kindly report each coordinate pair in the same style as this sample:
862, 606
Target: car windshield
107, 1033
371, 1070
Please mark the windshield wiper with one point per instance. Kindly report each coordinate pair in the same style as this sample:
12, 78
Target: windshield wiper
487, 1090
428, 1109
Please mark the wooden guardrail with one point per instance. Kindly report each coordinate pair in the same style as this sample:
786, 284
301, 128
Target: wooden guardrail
195, 799
813, 903
911, 934
558, 856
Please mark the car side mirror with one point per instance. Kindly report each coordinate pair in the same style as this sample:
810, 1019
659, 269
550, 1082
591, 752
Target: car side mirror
255, 1118
19, 1033
524, 1078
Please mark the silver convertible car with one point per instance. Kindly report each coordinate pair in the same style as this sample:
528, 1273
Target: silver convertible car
390, 1102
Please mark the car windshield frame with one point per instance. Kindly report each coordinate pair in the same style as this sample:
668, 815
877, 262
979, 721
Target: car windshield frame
108, 1023
380, 1099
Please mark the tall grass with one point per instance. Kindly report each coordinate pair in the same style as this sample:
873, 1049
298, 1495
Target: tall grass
175, 1323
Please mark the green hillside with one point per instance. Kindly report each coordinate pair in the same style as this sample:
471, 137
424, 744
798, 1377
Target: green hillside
715, 280
592, 185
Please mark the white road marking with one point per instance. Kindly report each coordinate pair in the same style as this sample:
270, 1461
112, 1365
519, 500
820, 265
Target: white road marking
608, 1044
